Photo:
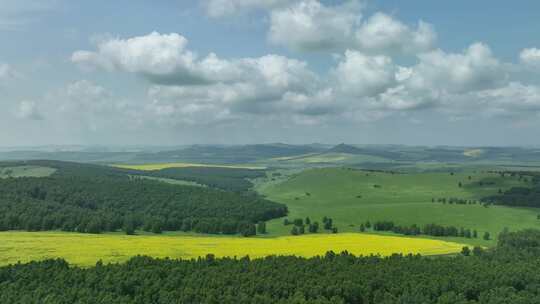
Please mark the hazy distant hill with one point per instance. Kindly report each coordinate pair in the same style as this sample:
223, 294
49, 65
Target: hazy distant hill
229, 154
268, 153
343, 148
369, 150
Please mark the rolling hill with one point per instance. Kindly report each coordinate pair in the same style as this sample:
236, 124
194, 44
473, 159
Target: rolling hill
352, 197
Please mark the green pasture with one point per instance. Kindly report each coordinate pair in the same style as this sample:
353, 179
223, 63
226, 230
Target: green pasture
351, 197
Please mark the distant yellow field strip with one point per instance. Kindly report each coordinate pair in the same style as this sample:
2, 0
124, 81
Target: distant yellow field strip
152, 167
86, 249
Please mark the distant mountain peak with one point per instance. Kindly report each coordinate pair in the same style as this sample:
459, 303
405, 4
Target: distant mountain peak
344, 148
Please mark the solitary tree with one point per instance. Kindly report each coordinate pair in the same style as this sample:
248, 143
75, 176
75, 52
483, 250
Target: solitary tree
186, 225
129, 227
94, 226
487, 236
477, 251
362, 228
466, 251
328, 224
261, 228
314, 227
156, 227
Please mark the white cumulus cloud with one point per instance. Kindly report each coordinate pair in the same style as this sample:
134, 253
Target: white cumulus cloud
159, 57
165, 59
530, 57
474, 69
310, 25
365, 76
382, 33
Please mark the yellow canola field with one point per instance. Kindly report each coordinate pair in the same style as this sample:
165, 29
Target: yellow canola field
153, 167
87, 249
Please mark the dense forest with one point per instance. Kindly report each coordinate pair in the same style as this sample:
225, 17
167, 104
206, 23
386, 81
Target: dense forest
509, 273
93, 199
233, 179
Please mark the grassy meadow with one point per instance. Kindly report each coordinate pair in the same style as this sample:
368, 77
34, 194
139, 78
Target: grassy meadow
351, 197
25, 171
173, 181
328, 158
87, 249
160, 166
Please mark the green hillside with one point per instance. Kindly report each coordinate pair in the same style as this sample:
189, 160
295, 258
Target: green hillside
351, 197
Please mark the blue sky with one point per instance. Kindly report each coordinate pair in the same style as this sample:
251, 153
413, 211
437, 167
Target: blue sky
244, 71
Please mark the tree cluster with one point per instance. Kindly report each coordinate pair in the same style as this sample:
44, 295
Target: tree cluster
299, 226
302, 226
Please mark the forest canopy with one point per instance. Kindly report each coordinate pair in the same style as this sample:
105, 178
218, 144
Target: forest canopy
89, 198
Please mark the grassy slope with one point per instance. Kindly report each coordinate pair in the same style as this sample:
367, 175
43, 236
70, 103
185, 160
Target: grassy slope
159, 166
173, 181
338, 158
87, 249
403, 198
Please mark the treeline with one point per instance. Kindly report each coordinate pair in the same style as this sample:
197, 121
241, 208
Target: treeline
97, 203
232, 179
508, 274
524, 176
429, 229
519, 196
454, 200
